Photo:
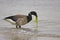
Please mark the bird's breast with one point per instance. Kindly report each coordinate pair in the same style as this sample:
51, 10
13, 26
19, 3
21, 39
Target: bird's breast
22, 21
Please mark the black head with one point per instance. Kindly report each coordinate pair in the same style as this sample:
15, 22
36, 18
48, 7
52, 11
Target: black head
33, 13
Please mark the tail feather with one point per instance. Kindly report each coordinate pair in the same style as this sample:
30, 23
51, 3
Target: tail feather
5, 18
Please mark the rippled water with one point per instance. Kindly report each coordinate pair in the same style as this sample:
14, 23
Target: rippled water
47, 30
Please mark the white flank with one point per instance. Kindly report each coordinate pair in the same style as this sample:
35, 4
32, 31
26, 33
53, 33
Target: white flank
11, 21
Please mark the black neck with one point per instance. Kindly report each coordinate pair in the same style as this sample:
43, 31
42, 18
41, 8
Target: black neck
29, 17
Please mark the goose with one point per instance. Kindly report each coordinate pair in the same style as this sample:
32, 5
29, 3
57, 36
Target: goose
20, 20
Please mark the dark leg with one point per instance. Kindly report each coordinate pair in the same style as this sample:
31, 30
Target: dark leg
16, 26
19, 26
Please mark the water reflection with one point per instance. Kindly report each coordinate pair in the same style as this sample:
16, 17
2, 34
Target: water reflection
45, 29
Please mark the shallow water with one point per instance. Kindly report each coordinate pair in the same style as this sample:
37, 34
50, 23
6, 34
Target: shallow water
47, 30
49, 20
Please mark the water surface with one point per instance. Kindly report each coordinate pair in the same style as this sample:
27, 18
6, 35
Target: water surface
47, 30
